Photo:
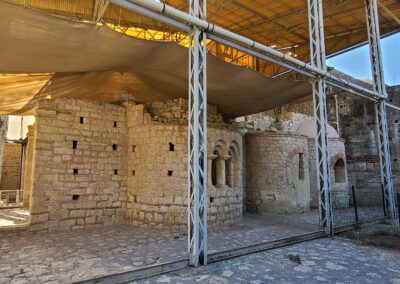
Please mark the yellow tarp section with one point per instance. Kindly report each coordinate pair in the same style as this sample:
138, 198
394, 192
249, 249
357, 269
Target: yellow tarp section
82, 60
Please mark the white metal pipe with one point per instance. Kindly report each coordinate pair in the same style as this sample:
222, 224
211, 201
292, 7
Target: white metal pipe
393, 106
162, 8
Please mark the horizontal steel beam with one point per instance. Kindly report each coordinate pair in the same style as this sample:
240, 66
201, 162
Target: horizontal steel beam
393, 106
223, 255
172, 16
140, 273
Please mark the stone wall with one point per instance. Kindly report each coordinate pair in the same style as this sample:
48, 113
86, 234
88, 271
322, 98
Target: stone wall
272, 121
79, 175
277, 173
340, 190
10, 175
28, 167
157, 172
176, 111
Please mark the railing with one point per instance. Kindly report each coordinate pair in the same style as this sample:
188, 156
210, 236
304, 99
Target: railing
10, 198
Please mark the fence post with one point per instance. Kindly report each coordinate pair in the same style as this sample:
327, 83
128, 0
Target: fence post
355, 202
384, 201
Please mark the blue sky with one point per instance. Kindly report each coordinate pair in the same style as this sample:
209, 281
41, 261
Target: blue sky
357, 62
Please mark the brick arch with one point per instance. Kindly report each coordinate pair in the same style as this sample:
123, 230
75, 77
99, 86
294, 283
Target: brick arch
297, 151
335, 158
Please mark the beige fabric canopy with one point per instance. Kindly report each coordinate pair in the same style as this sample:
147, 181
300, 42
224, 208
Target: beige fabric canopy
45, 56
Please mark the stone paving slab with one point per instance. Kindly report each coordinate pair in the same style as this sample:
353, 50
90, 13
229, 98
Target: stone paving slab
319, 261
68, 256
11, 217
65, 257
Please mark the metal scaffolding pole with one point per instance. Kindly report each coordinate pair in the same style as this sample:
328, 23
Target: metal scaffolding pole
317, 50
173, 16
371, 9
197, 139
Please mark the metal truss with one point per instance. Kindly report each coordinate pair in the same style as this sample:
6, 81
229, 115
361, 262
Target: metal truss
317, 50
385, 161
375, 47
182, 20
197, 139
371, 9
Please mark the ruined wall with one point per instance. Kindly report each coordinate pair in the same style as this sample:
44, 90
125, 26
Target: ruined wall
28, 168
157, 168
340, 189
79, 175
277, 173
276, 120
10, 175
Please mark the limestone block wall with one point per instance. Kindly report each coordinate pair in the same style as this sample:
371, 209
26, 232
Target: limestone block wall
79, 175
340, 190
28, 168
10, 175
157, 174
277, 173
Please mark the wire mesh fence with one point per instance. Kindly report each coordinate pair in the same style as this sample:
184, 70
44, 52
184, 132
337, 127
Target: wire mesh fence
368, 206
357, 205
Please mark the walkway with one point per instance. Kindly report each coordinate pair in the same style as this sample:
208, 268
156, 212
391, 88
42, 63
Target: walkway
13, 217
319, 261
65, 257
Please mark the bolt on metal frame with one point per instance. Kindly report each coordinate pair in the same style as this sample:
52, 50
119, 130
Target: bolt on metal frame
197, 139
371, 9
317, 50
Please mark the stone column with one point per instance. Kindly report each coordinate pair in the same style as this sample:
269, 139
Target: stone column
221, 178
209, 168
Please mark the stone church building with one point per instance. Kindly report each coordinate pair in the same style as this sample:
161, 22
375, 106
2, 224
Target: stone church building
88, 163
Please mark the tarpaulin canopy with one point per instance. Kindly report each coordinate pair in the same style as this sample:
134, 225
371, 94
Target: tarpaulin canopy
45, 56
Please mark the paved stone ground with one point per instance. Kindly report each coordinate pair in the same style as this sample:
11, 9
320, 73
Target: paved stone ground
13, 217
320, 261
64, 257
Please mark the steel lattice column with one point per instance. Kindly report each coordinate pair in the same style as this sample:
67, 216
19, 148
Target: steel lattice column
197, 140
317, 50
371, 9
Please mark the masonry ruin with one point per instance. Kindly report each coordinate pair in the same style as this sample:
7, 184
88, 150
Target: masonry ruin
89, 163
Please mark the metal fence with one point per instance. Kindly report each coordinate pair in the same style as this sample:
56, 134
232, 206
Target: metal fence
10, 198
367, 214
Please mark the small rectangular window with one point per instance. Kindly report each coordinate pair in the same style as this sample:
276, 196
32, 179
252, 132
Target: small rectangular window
76, 171
81, 120
74, 144
114, 147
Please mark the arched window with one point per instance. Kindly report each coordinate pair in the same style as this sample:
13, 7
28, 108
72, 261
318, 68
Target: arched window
229, 171
214, 169
340, 171
301, 167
